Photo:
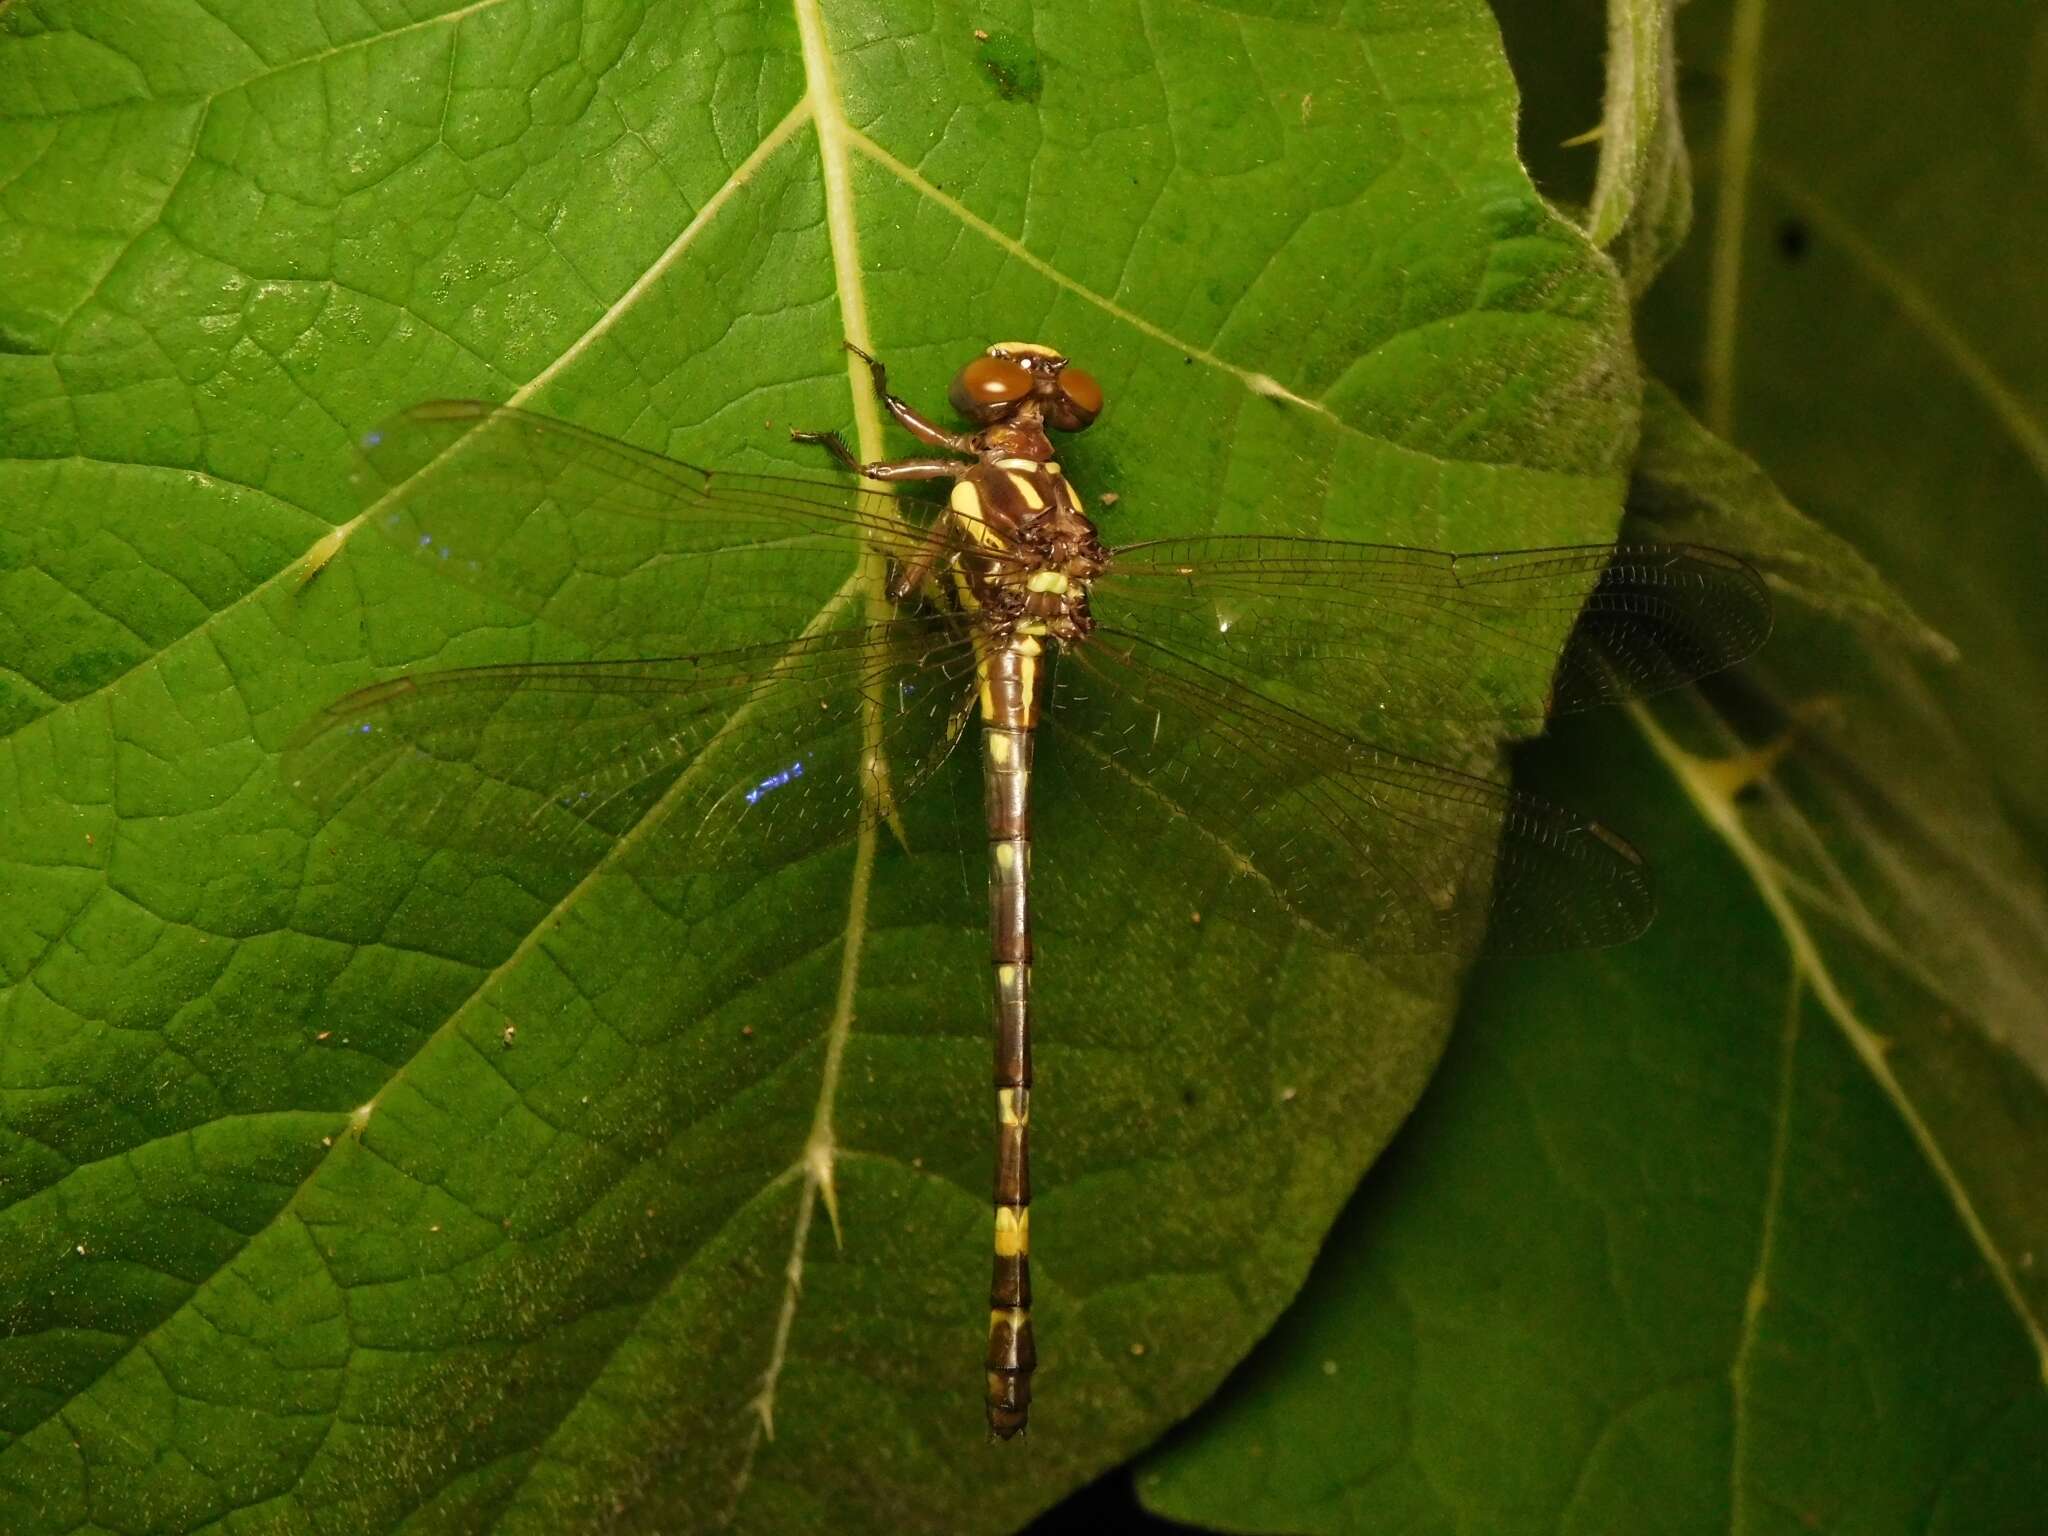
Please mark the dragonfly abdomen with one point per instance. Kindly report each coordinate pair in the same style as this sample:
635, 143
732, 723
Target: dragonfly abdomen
1011, 687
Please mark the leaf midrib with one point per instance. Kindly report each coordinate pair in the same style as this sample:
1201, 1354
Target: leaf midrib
842, 224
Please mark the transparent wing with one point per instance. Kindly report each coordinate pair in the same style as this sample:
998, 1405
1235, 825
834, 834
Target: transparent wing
624, 547
1365, 849
1416, 634
746, 758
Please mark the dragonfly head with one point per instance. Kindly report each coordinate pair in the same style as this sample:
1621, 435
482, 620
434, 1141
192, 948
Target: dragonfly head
1025, 378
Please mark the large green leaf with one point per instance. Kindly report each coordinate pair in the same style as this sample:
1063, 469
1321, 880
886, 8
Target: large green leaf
1730, 1229
351, 1186
1655, 1255
1863, 314
1740, 1228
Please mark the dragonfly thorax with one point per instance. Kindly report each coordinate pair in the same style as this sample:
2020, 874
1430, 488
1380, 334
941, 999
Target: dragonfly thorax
1029, 550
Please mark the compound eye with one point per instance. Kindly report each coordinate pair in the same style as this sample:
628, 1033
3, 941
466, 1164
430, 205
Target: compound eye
987, 385
1082, 393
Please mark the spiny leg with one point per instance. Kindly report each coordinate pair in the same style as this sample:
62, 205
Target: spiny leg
907, 577
912, 574
832, 443
925, 431
877, 370
906, 416
883, 469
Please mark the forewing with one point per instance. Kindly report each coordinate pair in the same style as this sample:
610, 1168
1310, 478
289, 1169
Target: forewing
743, 759
628, 549
1375, 631
1361, 848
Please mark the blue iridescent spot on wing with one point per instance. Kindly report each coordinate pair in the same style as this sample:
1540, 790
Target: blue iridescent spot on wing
775, 781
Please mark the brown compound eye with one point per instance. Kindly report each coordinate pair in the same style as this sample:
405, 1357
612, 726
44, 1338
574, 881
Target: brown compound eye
1080, 400
986, 388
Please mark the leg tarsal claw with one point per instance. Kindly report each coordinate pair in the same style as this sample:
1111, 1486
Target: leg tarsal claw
876, 371
879, 375
832, 443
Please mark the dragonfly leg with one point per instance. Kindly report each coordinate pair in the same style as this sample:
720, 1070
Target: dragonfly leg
883, 469
832, 443
915, 469
912, 574
919, 426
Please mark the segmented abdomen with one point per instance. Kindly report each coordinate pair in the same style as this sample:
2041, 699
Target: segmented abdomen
1011, 685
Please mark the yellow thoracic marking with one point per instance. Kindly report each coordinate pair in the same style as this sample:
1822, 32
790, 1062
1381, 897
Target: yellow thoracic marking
1017, 464
1027, 639
966, 506
1014, 1105
1047, 581
1025, 349
1027, 490
1013, 1231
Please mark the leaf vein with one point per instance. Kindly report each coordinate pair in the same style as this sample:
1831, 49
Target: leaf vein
1720, 815
331, 540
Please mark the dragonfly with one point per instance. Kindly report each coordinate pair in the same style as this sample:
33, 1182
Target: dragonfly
861, 633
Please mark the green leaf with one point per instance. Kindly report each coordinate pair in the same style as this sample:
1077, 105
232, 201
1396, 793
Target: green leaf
1802, 1280
1862, 316
1740, 1219
1739, 1228
356, 1186
1691, 487
1916, 444
1656, 1253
